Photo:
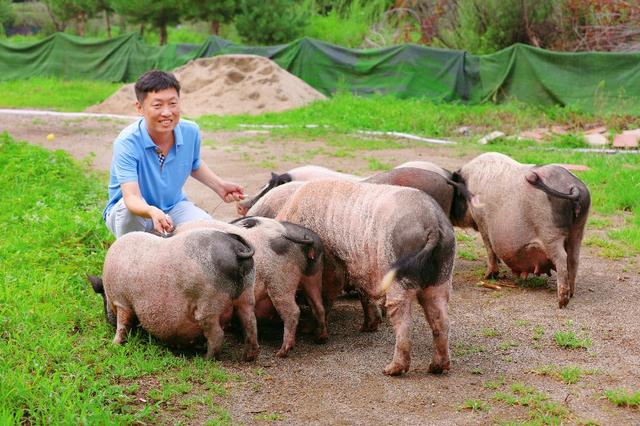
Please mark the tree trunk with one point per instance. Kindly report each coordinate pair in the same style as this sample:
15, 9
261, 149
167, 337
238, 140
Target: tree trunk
215, 27
81, 23
107, 22
141, 30
163, 34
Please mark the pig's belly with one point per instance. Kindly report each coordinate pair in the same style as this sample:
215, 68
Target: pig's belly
175, 331
530, 259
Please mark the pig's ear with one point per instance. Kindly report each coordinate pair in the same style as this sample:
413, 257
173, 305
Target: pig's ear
273, 175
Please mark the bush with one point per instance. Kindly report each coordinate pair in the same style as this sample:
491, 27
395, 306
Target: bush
270, 21
486, 26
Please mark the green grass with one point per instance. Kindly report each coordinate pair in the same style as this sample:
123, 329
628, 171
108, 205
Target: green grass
475, 405
569, 374
58, 364
623, 398
569, 340
542, 411
54, 93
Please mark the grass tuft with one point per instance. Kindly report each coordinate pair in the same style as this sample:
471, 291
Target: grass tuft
623, 398
569, 340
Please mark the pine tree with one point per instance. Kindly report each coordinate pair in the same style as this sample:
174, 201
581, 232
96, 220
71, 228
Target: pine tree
270, 21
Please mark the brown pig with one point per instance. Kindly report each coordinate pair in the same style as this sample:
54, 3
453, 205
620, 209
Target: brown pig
389, 238
530, 217
180, 289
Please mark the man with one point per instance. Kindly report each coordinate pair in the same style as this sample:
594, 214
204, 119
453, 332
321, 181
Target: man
152, 159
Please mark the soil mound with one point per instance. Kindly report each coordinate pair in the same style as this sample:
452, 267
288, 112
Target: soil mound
225, 85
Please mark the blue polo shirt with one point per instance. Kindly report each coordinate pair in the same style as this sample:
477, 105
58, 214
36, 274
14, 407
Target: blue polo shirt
135, 160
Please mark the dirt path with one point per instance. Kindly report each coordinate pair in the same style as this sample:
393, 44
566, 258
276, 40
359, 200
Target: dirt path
497, 336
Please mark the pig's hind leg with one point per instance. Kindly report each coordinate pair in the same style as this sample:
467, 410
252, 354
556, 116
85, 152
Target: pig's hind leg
398, 305
214, 333
312, 287
125, 319
558, 255
434, 301
285, 303
245, 308
493, 271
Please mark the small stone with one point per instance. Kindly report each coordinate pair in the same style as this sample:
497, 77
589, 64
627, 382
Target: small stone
595, 130
596, 139
490, 137
535, 134
626, 141
464, 130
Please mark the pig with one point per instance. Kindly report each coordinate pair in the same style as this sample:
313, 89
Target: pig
530, 217
426, 165
298, 174
433, 183
180, 289
393, 241
270, 204
442, 190
287, 256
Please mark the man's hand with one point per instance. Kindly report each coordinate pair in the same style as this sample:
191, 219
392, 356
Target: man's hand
230, 192
162, 222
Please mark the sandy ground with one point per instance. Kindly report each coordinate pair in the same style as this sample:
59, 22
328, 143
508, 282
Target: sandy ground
492, 331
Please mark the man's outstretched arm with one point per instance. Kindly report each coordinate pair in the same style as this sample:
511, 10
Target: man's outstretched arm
226, 190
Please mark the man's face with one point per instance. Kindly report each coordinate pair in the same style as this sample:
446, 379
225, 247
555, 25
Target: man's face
161, 110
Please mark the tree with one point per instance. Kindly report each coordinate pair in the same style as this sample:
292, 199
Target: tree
157, 13
270, 21
215, 13
7, 15
63, 11
105, 7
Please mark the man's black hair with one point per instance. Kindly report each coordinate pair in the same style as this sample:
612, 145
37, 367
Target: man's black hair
155, 81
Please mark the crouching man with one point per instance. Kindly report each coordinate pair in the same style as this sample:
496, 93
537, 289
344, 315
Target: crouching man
152, 159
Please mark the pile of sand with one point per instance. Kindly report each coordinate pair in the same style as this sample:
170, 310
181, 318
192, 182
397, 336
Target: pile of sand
229, 84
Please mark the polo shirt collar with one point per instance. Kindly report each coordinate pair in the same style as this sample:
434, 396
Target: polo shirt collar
148, 143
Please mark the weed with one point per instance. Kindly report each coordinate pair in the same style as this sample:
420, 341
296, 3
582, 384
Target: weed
538, 332
505, 346
467, 255
569, 340
462, 349
494, 384
532, 282
570, 374
475, 405
477, 371
522, 323
490, 332
269, 417
541, 409
623, 398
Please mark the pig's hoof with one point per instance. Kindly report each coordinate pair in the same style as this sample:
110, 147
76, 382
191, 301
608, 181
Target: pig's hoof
250, 355
321, 338
210, 356
492, 275
438, 368
563, 302
395, 369
370, 327
283, 353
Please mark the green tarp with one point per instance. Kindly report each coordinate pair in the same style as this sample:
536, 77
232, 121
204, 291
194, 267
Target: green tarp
588, 81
